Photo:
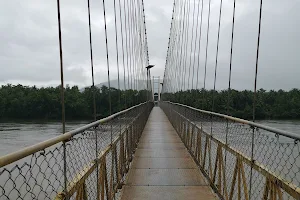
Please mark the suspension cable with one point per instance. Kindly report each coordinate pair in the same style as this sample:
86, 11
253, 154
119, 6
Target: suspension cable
129, 9
195, 44
123, 56
255, 93
257, 57
229, 81
177, 58
145, 50
190, 63
62, 93
126, 44
199, 51
183, 36
93, 88
61, 70
231, 53
173, 48
117, 55
107, 56
186, 43
217, 54
205, 65
91, 59
169, 49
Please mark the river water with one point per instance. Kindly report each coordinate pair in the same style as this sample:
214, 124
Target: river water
15, 136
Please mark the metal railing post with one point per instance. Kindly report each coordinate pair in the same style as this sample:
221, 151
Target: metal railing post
66, 196
97, 164
225, 156
252, 160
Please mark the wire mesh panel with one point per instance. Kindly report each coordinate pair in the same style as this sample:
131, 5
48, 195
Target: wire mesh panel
241, 159
88, 163
29, 177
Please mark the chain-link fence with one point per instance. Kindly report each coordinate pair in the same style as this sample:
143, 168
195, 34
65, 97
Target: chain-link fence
241, 159
88, 163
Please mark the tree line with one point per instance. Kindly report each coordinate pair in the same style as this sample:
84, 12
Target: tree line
24, 102
269, 104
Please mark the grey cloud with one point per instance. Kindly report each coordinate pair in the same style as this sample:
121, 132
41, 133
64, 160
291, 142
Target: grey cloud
279, 49
29, 42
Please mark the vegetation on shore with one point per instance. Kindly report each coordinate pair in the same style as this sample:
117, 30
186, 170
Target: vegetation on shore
27, 103
23, 102
269, 104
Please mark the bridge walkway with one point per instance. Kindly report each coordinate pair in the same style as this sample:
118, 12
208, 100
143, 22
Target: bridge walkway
162, 168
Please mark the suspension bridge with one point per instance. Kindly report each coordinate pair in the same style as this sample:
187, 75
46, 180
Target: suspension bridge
166, 150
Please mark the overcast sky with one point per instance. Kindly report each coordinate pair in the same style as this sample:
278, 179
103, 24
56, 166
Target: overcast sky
29, 42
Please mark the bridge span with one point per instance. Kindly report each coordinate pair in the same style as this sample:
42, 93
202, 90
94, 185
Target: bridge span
169, 152
162, 168
176, 150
